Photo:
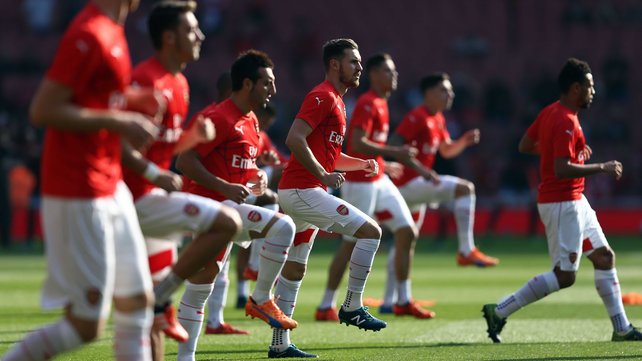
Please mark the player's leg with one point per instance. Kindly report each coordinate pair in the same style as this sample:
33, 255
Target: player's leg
133, 299
243, 278
596, 248
276, 230
216, 324
78, 264
363, 196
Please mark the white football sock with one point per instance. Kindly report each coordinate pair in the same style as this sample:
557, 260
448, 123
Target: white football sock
272, 257
390, 292
190, 315
285, 293
404, 292
131, 335
45, 343
218, 297
607, 285
360, 265
535, 289
464, 210
164, 290
329, 299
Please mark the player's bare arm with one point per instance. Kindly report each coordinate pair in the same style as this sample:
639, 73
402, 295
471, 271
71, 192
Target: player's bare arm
413, 162
453, 148
565, 169
52, 107
528, 145
190, 164
201, 131
362, 144
162, 178
347, 163
296, 141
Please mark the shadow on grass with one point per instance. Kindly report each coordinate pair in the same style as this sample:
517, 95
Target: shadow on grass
573, 358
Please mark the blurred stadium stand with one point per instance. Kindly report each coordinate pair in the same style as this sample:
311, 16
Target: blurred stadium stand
503, 57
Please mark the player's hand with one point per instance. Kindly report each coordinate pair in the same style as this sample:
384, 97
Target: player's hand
136, 128
372, 168
471, 137
405, 153
269, 158
432, 176
258, 183
393, 169
202, 130
236, 192
334, 180
586, 152
613, 168
169, 181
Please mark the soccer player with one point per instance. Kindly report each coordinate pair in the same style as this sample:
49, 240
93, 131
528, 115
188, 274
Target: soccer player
376, 195
225, 169
95, 249
572, 228
315, 139
164, 214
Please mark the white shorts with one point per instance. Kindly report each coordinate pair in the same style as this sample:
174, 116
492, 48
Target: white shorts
162, 253
571, 228
254, 218
379, 199
95, 251
163, 215
314, 208
420, 193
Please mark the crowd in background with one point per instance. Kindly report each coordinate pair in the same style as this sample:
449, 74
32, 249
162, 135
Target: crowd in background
502, 57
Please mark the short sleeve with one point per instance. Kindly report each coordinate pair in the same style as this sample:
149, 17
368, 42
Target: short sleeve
362, 117
407, 129
563, 139
79, 55
315, 108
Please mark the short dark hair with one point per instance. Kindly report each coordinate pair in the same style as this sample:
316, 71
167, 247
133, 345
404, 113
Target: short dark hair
165, 16
574, 71
376, 61
247, 66
224, 85
431, 81
333, 49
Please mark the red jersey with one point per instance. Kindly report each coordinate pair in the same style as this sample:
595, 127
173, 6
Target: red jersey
425, 132
370, 115
324, 111
175, 90
232, 154
93, 61
558, 132
266, 145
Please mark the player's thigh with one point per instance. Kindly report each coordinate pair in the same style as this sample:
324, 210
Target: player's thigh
132, 276
420, 190
391, 209
592, 235
80, 255
362, 195
563, 233
253, 218
161, 214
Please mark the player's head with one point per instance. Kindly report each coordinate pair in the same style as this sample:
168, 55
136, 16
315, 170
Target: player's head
576, 83
437, 92
265, 116
173, 26
252, 74
224, 86
382, 72
341, 57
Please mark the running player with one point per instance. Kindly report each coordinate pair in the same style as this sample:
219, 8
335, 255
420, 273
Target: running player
376, 195
164, 213
95, 249
572, 228
225, 169
315, 139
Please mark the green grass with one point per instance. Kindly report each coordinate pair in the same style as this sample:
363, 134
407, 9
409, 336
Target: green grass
569, 325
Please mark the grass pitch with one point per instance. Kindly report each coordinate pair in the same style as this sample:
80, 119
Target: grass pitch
569, 325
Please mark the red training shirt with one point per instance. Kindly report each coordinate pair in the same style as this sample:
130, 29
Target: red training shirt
93, 61
558, 132
323, 109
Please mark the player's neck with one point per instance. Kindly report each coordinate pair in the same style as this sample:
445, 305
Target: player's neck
117, 11
568, 103
380, 92
241, 102
338, 85
431, 110
170, 62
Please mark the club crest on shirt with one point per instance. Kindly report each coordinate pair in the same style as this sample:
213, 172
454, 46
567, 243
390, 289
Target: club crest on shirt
254, 216
191, 209
343, 210
93, 296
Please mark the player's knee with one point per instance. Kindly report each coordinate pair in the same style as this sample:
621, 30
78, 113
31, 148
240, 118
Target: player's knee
565, 278
293, 271
408, 234
369, 230
464, 188
133, 303
88, 330
603, 258
228, 221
